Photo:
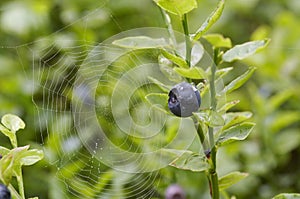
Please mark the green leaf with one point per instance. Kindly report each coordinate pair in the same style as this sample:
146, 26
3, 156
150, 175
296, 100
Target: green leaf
179, 61
10, 134
163, 87
162, 60
6, 169
140, 42
242, 51
10, 163
69, 170
210, 118
189, 160
159, 100
213, 18
170, 74
5, 131
283, 119
278, 99
177, 7
230, 179
234, 118
91, 192
82, 187
12, 122
202, 116
166, 67
238, 132
229, 105
103, 181
3, 151
286, 141
223, 71
218, 41
193, 72
215, 119
261, 32
18, 152
197, 53
31, 157
239, 81
287, 196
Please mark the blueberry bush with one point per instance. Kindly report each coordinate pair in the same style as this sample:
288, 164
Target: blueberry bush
215, 125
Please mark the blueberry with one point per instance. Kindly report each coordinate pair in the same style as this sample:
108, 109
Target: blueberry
4, 192
174, 191
184, 99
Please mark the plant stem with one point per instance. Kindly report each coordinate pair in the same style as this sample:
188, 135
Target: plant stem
213, 102
213, 176
198, 127
20, 183
13, 140
188, 44
14, 193
200, 133
19, 174
214, 185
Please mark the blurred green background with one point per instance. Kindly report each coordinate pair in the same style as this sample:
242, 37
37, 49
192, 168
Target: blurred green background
37, 35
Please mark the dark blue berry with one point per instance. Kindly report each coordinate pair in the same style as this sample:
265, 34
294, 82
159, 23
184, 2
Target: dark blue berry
4, 192
174, 191
184, 99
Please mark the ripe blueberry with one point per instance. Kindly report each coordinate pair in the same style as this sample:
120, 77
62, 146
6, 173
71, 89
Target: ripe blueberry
174, 191
184, 99
4, 192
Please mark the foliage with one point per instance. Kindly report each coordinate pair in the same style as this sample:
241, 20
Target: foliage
47, 30
11, 161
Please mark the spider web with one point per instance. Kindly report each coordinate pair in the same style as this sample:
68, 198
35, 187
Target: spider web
99, 134
88, 110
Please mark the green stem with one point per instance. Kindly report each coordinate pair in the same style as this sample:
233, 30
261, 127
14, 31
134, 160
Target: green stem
215, 185
13, 140
213, 102
213, 176
14, 193
198, 127
20, 183
211, 137
19, 174
200, 133
188, 44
